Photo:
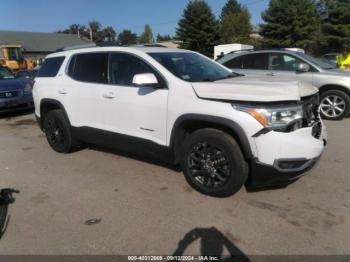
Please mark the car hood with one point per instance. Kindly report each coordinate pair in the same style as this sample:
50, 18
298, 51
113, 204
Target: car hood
254, 89
11, 84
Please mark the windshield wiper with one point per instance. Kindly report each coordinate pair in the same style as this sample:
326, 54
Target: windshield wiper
207, 80
231, 76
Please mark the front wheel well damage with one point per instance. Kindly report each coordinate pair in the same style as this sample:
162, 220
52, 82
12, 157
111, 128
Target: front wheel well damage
185, 128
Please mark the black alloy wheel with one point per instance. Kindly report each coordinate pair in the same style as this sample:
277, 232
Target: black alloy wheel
213, 163
55, 133
58, 132
209, 165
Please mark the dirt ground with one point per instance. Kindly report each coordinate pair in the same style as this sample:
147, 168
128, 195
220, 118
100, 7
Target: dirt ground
138, 207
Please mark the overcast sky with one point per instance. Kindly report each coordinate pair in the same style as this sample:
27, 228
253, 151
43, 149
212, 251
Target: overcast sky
50, 16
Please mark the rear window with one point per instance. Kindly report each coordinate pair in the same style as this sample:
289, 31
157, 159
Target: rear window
89, 67
50, 67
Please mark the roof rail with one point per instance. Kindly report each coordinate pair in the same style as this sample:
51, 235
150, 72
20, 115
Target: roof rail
242, 50
271, 48
106, 44
147, 45
76, 47
265, 49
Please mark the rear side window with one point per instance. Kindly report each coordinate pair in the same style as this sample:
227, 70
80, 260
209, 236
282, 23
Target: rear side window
89, 67
255, 61
234, 63
50, 67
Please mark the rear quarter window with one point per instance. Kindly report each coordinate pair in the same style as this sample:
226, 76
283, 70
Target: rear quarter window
50, 67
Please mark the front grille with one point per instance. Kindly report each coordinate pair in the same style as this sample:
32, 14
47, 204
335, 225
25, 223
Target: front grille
8, 94
312, 117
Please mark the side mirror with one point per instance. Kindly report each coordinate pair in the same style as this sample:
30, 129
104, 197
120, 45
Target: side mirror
147, 79
303, 68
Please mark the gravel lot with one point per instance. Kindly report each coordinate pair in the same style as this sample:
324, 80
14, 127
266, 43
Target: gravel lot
146, 208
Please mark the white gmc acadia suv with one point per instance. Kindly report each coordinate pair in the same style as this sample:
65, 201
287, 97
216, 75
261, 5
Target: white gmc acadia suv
225, 130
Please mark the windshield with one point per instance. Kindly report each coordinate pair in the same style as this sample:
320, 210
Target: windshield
6, 74
192, 67
320, 63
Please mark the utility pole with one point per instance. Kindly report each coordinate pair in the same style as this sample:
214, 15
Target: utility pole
90, 33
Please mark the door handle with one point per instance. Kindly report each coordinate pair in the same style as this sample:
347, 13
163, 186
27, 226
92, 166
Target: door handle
270, 74
109, 95
63, 91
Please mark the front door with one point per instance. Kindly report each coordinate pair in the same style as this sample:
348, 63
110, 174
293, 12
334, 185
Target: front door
133, 110
285, 65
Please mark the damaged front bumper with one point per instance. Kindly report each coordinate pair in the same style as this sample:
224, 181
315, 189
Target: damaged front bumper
284, 157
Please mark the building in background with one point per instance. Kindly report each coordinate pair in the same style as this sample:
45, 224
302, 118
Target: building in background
39, 45
170, 43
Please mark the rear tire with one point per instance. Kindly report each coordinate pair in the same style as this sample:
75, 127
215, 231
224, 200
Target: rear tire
334, 105
58, 132
213, 163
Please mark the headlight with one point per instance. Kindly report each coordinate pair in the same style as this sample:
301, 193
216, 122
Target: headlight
28, 88
276, 118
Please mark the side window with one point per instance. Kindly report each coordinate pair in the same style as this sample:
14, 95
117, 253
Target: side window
255, 61
50, 67
283, 62
89, 67
123, 68
234, 63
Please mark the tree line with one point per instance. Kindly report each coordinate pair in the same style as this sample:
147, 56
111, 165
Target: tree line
102, 34
318, 26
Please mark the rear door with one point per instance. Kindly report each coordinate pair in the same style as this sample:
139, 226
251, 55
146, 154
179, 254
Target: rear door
83, 91
249, 64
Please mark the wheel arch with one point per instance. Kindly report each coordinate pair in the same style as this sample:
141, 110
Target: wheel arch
186, 124
47, 105
334, 87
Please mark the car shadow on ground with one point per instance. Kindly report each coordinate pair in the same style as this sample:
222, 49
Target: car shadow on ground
6, 198
141, 155
212, 243
144, 156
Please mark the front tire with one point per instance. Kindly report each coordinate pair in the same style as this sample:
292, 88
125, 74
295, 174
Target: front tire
213, 163
334, 105
58, 132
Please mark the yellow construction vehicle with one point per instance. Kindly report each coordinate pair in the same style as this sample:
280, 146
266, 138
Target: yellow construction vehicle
11, 56
343, 60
